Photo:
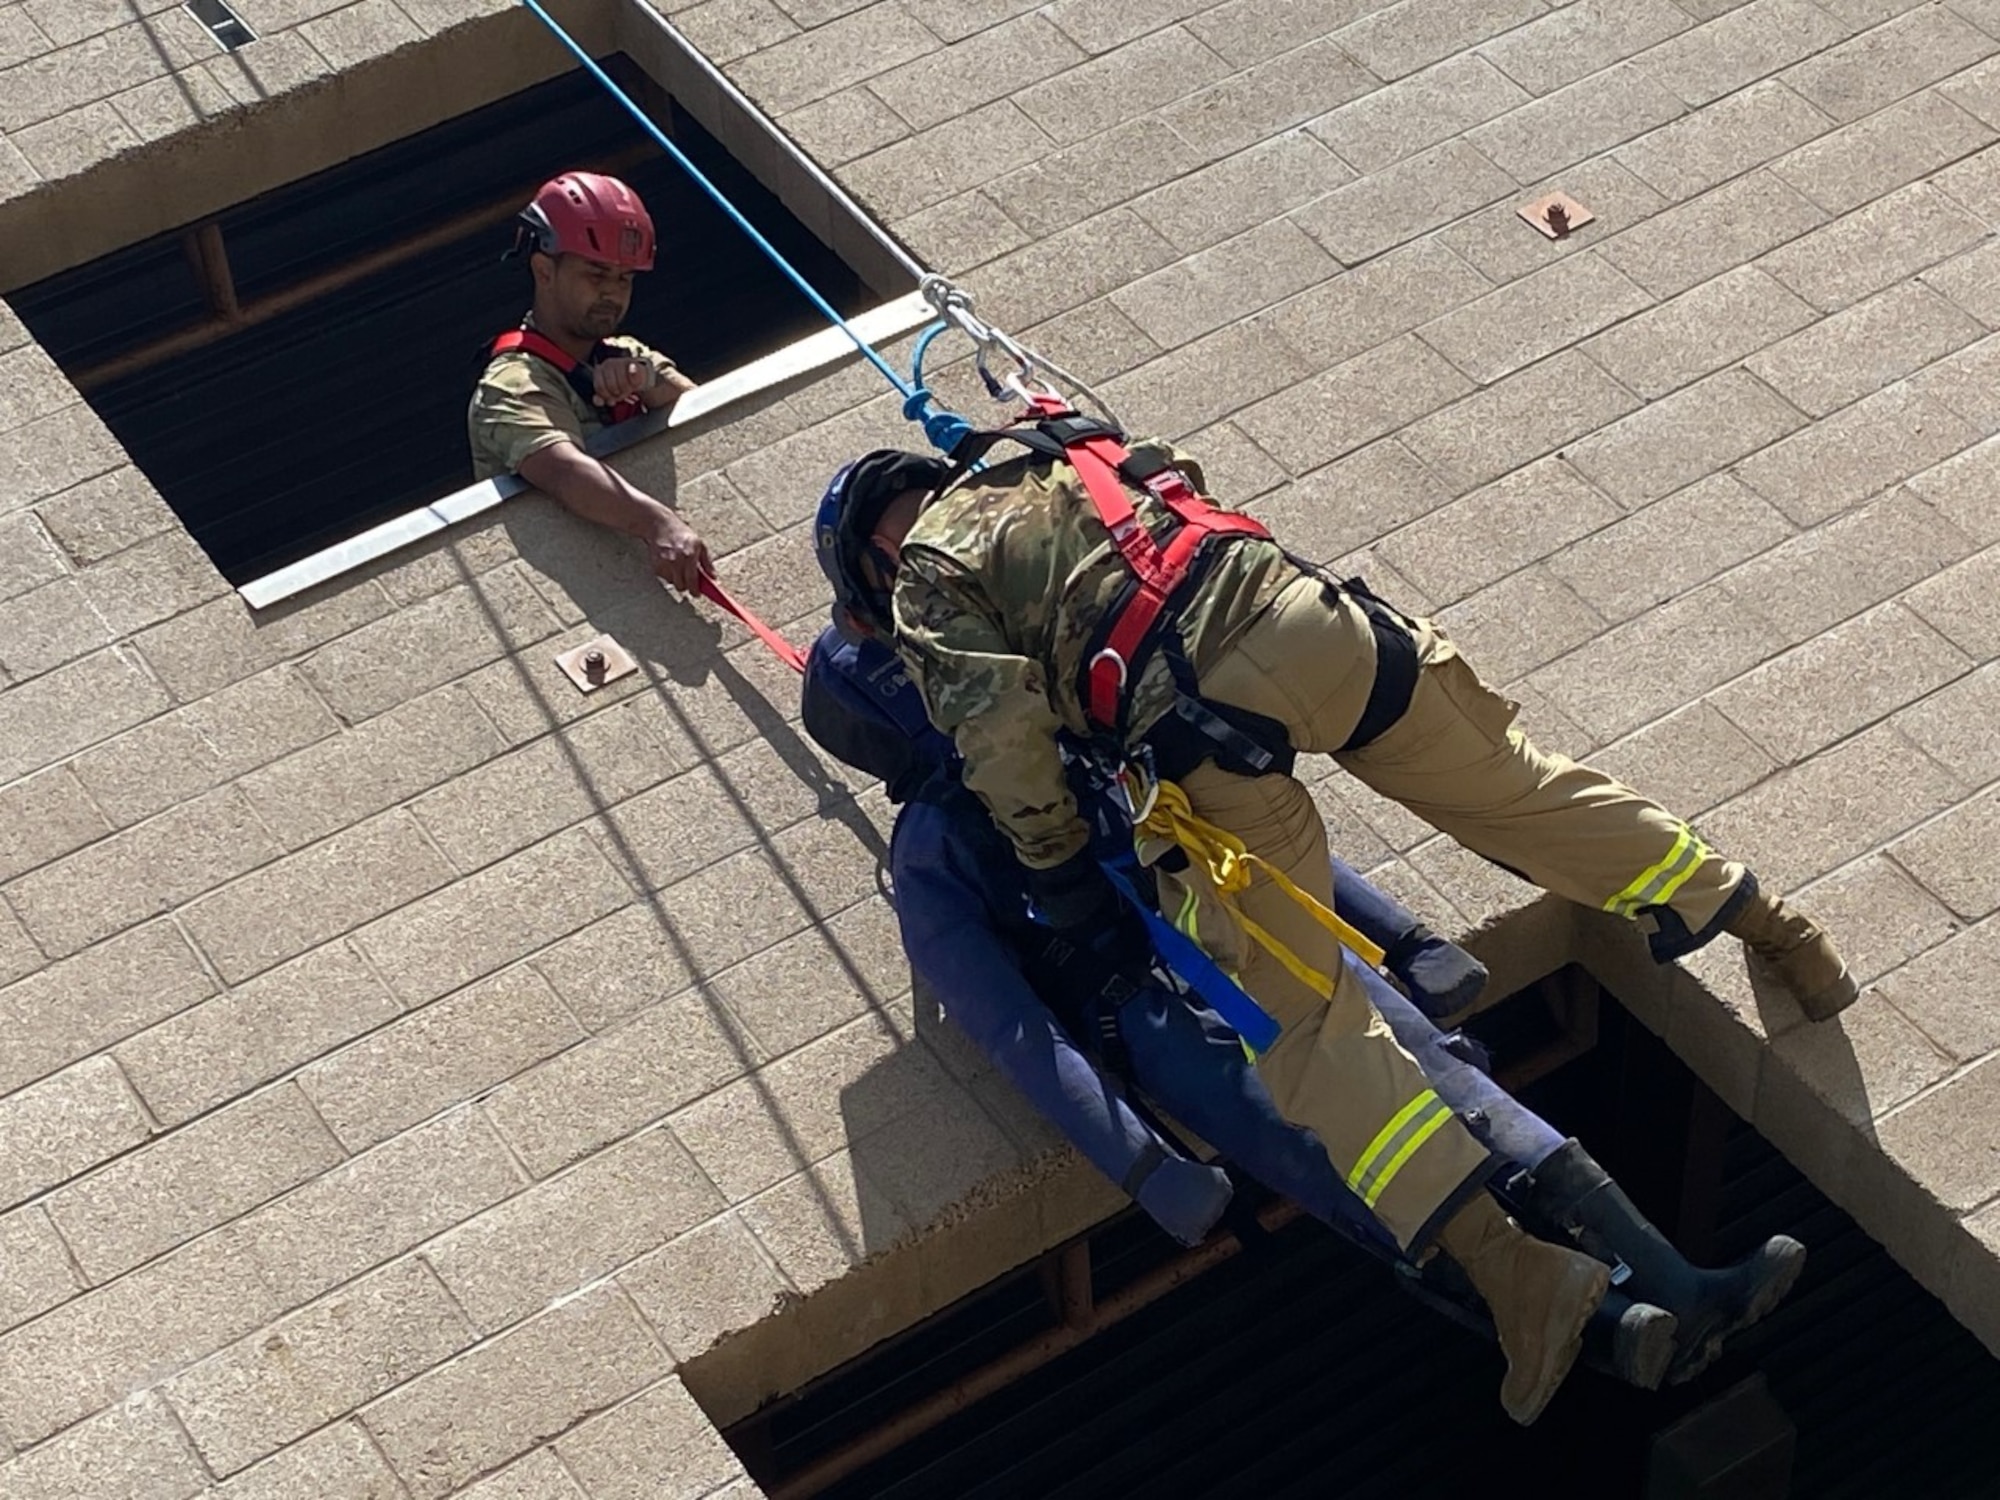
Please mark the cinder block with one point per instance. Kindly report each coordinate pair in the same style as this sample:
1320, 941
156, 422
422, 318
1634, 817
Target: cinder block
1954, 857
335, 1463
1645, 559
44, 817
1240, 192
18, 954
1520, 622
573, 1229
810, 1103
134, 1451
1404, 201
1887, 62
371, 1210
58, 714
228, 1045
1684, 437
1967, 280
1399, 39
1699, 332
912, 174
1356, 313
1880, 152
843, 126
1945, 989
1967, 384
1237, 470
1880, 918
1534, 317
1929, 1140
1803, 586
1190, 387
223, 642
1243, 32
1560, 129
1530, 413
1423, 110
1352, 502
1842, 803
1686, 245
57, 451
447, 1052
1858, 672
1857, 352
724, 30
1136, 79
1888, 240
446, 1427
298, 903
984, 67
1951, 727
798, 990
1854, 455
1657, 662
1058, 188
1741, 45
707, 1284
1574, 41
122, 880
1494, 530
318, 1364
1232, 280
1957, 603
31, 558
150, 581
389, 661
1268, 98
102, 516
1689, 761
94, 1350
1503, 249
191, 1181
1724, 140
1098, 27
1352, 405
35, 1270
820, 1224
63, 1125
105, 993
659, 1446
40, 631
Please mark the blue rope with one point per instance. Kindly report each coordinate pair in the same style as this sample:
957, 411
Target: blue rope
909, 392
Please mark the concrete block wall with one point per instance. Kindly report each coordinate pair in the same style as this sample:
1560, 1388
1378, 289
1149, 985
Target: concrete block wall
417, 1077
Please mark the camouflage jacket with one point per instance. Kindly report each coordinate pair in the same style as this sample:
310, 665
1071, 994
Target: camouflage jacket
522, 404
1003, 581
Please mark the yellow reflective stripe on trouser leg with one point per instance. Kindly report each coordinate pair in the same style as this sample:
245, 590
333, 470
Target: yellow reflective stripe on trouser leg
1395, 1143
1656, 884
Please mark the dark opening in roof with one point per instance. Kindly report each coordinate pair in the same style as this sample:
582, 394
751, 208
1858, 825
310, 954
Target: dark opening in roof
338, 399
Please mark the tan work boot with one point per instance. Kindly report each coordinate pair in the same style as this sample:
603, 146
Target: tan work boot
1795, 955
1540, 1295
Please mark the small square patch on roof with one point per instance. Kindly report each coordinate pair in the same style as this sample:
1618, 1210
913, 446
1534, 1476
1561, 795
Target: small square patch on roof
1556, 215
596, 662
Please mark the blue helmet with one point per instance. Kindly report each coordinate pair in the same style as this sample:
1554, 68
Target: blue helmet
862, 709
853, 503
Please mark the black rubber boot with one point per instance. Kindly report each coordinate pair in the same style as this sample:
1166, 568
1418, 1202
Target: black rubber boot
1573, 1196
1632, 1340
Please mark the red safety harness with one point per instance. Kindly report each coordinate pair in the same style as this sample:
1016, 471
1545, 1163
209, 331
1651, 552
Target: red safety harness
575, 371
1162, 575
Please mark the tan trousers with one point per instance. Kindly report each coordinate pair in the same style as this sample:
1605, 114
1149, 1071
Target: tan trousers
1455, 760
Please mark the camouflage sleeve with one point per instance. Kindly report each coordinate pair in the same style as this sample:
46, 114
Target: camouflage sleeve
515, 412
992, 701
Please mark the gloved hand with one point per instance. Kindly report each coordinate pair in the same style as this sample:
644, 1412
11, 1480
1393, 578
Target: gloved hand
1442, 977
1185, 1198
1089, 944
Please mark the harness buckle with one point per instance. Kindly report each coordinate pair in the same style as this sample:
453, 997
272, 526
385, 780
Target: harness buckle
1117, 662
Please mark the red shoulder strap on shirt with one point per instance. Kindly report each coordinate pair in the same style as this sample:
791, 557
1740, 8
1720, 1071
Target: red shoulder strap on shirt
532, 341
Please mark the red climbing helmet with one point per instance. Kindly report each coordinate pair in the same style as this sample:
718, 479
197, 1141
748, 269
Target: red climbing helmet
588, 214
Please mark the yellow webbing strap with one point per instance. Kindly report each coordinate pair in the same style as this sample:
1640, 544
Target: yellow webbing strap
1230, 865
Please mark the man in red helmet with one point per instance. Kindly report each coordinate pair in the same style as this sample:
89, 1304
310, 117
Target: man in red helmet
564, 374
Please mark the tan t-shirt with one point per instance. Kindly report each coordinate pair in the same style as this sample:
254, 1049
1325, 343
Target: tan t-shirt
522, 404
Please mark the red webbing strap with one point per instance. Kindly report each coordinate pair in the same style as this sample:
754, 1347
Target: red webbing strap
532, 341
1097, 460
785, 651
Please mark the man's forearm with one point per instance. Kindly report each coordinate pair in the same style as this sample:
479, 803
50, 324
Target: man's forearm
593, 490
665, 391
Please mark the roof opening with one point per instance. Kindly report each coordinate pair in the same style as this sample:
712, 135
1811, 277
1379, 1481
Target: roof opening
228, 28
1299, 1371
296, 368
